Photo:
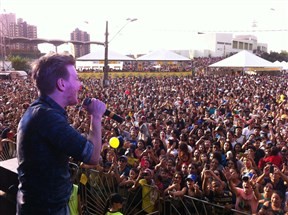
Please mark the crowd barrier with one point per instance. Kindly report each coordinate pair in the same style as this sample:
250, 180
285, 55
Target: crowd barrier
7, 149
95, 188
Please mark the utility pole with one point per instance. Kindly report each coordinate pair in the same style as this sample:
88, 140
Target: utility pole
106, 66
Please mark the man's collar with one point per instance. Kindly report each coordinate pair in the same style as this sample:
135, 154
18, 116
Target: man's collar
50, 102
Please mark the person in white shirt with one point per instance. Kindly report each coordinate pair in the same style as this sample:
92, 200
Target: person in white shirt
248, 130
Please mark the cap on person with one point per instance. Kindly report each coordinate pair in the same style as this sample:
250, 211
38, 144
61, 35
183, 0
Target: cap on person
123, 158
247, 176
116, 198
191, 177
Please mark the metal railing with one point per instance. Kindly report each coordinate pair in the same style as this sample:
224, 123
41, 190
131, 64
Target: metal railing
7, 149
96, 186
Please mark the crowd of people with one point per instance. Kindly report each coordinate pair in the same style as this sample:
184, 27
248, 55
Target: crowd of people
219, 138
199, 64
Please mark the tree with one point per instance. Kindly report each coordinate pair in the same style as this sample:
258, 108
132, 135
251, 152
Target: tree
274, 56
19, 63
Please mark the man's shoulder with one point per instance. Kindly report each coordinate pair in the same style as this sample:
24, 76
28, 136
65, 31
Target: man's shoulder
39, 116
48, 104
43, 111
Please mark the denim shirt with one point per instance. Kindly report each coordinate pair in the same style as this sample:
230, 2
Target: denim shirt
45, 141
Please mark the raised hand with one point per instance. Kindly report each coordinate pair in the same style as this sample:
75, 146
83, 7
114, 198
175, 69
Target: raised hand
226, 173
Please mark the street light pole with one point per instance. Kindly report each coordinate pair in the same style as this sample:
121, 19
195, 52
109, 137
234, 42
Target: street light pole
106, 66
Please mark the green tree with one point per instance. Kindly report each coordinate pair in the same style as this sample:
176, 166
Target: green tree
274, 56
20, 63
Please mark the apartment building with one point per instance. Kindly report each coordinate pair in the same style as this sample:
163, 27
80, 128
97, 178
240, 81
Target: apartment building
83, 36
12, 27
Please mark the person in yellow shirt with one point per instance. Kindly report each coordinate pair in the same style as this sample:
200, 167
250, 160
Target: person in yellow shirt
149, 190
74, 201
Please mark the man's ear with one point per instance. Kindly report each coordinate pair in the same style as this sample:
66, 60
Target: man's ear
60, 84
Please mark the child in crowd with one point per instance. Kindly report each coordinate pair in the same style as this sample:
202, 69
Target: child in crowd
114, 205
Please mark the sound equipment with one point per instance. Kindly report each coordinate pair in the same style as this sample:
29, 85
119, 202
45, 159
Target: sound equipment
8, 184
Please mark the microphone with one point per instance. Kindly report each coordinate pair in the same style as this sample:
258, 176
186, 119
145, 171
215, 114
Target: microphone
108, 113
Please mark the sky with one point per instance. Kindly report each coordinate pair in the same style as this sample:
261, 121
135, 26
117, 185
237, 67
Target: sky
161, 24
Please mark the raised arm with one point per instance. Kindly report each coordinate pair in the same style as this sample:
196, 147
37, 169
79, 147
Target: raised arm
96, 110
227, 174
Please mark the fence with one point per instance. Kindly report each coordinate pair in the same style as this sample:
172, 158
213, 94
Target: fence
95, 188
7, 149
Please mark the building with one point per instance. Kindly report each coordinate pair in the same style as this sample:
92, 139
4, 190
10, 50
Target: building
23, 29
249, 43
222, 45
78, 35
5, 21
9, 27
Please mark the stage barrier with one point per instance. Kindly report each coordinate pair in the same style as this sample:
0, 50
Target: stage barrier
95, 188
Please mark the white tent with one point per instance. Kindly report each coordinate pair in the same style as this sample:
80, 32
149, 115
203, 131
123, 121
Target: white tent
284, 65
244, 59
162, 55
277, 64
95, 60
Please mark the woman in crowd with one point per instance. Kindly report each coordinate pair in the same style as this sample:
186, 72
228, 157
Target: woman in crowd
129, 181
176, 188
275, 206
247, 197
266, 195
249, 165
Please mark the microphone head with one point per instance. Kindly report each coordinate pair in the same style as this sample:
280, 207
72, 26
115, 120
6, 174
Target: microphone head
87, 101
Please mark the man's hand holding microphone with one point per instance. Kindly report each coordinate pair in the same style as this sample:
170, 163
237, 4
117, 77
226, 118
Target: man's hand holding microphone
94, 107
112, 115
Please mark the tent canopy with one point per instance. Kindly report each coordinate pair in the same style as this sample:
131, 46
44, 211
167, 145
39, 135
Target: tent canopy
284, 65
162, 55
244, 59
